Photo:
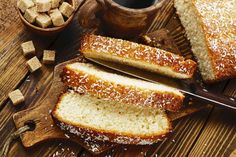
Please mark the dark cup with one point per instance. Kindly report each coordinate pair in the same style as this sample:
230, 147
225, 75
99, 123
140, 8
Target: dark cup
118, 19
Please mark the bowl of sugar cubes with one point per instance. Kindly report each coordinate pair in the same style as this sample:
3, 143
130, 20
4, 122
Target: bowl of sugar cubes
46, 17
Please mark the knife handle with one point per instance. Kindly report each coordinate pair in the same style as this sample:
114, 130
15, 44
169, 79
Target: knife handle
220, 100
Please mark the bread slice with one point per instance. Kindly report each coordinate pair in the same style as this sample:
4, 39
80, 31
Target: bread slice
210, 26
90, 117
87, 78
137, 55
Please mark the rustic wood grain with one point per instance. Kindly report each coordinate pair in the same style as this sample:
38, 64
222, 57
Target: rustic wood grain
12, 34
219, 135
44, 130
184, 141
162, 16
34, 88
8, 15
12, 63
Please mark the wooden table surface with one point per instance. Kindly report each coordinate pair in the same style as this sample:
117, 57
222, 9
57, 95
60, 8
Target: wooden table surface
211, 132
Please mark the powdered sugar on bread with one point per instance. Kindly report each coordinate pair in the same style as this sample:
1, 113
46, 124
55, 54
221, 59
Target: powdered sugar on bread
137, 55
87, 116
211, 28
87, 78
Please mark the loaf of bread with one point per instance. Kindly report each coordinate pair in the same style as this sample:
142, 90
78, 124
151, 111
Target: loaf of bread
87, 78
137, 55
93, 118
211, 27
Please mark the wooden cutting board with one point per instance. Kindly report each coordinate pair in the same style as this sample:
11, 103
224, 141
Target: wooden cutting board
40, 118
43, 127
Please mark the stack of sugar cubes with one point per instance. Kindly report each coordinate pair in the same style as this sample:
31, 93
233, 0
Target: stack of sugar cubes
45, 13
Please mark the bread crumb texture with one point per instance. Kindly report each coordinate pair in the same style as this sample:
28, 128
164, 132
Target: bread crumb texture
76, 112
211, 28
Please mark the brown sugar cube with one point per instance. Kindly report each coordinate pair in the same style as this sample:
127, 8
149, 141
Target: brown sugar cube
66, 9
48, 56
43, 20
16, 97
28, 48
34, 64
55, 3
43, 5
56, 16
24, 4
31, 14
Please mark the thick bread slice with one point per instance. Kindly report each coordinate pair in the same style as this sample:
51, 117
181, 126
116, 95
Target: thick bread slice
90, 117
211, 27
87, 78
137, 55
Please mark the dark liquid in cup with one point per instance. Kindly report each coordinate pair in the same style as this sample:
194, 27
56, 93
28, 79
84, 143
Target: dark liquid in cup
135, 4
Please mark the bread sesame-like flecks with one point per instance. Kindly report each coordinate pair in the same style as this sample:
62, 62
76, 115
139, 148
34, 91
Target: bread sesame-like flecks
90, 136
216, 20
84, 83
138, 52
92, 119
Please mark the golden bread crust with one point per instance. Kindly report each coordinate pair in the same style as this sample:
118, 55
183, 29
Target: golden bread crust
137, 52
217, 18
85, 83
91, 133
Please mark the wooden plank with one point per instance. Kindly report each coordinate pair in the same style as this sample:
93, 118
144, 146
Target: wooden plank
8, 15
219, 135
34, 88
12, 62
179, 143
162, 16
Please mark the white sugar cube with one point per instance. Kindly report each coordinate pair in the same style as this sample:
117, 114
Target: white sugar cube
28, 48
49, 56
66, 9
56, 16
43, 20
31, 14
24, 4
16, 97
55, 3
34, 64
43, 5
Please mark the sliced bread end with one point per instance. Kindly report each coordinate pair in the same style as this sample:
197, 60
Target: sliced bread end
87, 78
90, 117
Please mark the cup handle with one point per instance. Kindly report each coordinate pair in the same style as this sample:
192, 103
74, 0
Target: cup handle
86, 14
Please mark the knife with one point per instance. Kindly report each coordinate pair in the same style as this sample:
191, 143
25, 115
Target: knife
188, 87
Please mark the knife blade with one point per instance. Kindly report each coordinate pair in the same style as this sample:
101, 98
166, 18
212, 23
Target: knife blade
187, 87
